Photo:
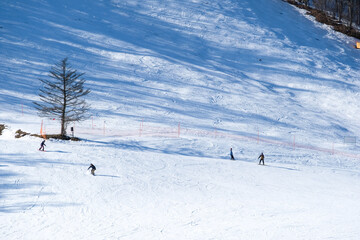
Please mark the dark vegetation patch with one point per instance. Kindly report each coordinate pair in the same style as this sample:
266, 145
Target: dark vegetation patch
20, 134
2, 127
324, 18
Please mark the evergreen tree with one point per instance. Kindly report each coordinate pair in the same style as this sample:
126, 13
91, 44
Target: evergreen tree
61, 95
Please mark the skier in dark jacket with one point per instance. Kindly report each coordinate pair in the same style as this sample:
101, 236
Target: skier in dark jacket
261, 157
231, 154
93, 168
42, 146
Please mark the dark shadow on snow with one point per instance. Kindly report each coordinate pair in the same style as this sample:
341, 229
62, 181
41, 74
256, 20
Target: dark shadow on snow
56, 151
286, 168
109, 176
13, 184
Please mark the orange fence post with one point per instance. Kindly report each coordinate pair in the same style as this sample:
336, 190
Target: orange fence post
41, 127
42, 130
358, 45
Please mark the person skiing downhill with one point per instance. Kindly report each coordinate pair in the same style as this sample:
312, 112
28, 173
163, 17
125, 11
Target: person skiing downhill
231, 154
261, 157
93, 168
42, 145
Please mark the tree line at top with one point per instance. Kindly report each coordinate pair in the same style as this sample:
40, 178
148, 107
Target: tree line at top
348, 10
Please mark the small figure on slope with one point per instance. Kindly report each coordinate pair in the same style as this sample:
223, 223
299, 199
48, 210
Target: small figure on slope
231, 154
93, 168
261, 157
42, 145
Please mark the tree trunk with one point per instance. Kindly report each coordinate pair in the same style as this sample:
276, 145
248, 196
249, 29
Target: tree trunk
340, 9
63, 113
351, 13
63, 132
335, 9
358, 12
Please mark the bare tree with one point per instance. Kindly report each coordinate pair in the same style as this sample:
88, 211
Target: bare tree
61, 95
320, 4
351, 8
357, 10
339, 8
305, 2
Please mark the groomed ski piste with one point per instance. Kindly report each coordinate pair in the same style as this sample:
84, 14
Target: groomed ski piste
175, 85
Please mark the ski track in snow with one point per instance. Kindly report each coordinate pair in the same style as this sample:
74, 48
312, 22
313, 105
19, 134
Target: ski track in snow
139, 194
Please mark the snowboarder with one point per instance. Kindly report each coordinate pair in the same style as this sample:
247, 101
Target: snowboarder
42, 145
231, 154
261, 157
93, 168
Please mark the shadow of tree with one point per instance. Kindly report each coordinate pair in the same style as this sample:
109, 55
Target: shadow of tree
13, 185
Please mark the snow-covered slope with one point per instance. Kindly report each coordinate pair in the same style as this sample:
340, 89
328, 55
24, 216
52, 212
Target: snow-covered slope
174, 85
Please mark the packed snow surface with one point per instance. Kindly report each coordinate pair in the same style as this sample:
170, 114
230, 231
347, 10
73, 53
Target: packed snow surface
175, 85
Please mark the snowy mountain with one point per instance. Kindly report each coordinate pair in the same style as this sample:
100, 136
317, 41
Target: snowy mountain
175, 85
